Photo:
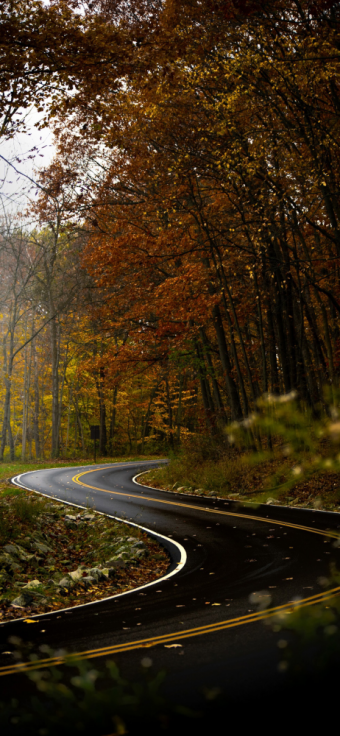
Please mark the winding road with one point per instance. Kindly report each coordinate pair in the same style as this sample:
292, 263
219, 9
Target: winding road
201, 622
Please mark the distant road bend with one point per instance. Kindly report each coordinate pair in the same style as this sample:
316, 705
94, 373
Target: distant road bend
222, 553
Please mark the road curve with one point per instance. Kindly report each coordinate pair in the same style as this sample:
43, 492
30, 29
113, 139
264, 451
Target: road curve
221, 554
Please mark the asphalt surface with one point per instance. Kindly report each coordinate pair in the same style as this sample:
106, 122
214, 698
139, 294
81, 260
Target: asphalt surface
222, 553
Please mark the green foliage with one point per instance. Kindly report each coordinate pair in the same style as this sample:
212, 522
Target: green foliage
310, 636
281, 445
283, 419
5, 526
202, 465
27, 510
79, 699
305, 444
23, 511
10, 491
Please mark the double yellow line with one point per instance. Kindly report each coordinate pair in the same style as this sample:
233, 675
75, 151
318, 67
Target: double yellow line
283, 610
165, 639
332, 535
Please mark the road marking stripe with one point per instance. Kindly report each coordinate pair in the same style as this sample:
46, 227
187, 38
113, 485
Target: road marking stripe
324, 533
154, 641
210, 628
179, 565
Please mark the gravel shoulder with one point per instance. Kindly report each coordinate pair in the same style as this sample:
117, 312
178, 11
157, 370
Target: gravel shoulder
54, 556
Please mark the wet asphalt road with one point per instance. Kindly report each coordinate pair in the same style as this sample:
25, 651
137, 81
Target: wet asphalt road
229, 557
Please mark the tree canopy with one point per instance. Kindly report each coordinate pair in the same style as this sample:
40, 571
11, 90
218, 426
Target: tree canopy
197, 180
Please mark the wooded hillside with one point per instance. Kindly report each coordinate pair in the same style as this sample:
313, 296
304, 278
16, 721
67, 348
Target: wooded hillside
188, 255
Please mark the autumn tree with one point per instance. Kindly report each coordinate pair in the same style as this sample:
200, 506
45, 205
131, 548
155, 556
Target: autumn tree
214, 185
198, 163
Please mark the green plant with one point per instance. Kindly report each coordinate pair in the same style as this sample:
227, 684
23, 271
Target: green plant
304, 444
5, 525
78, 699
27, 510
309, 637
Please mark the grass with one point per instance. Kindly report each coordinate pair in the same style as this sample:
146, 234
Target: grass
242, 476
224, 476
8, 470
22, 512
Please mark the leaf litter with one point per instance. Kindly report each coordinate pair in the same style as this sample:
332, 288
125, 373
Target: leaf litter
56, 556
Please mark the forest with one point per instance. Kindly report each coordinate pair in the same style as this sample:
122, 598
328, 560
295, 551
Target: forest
187, 257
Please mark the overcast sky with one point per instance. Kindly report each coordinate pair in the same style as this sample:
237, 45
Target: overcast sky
27, 153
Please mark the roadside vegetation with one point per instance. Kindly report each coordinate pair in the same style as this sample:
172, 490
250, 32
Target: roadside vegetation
175, 271
81, 705
303, 454
54, 555
179, 259
282, 453
236, 475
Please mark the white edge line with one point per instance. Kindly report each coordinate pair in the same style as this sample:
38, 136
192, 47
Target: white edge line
183, 559
180, 564
235, 500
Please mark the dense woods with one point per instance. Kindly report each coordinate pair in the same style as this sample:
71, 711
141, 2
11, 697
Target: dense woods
188, 255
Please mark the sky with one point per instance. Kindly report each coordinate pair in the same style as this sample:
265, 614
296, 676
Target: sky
27, 152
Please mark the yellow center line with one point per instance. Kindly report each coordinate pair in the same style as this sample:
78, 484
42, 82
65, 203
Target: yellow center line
324, 533
163, 639
283, 609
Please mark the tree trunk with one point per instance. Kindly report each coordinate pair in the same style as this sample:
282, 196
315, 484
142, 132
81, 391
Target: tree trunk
209, 408
102, 413
261, 334
24, 409
70, 393
113, 417
8, 371
36, 435
55, 387
234, 399
145, 431
168, 401
179, 410
216, 391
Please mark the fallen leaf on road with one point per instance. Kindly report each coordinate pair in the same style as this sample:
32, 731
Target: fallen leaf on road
30, 621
